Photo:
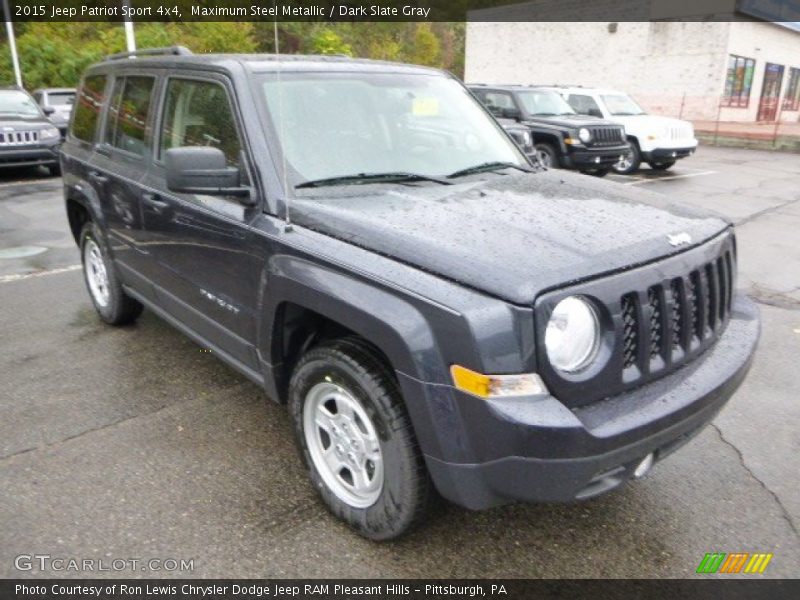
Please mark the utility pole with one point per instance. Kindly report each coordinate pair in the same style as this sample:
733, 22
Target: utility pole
130, 39
12, 44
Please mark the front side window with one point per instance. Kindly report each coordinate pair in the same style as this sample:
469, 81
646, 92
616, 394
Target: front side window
738, 81
791, 100
15, 103
198, 113
622, 105
128, 114
544, 104
346, 124
88, 107
584, 105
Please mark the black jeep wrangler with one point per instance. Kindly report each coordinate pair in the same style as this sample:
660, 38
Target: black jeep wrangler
562, 138
363, 240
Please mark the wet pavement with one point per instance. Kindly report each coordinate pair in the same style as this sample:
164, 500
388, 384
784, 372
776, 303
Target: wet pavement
135, 443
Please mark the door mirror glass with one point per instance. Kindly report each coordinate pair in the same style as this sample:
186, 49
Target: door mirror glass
202, 170
48, 110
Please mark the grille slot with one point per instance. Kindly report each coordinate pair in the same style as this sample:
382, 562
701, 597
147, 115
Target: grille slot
606, 136
19, 138
680, 316
630, 330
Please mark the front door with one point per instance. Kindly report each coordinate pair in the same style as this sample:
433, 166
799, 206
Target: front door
205, 269
770, 92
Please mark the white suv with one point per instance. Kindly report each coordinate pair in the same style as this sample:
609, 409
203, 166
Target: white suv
658, 141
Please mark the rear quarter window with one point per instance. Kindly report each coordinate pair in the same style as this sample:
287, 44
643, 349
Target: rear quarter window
88, 107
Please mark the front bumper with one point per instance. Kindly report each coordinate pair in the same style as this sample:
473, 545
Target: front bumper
29, 156
537, 449
595, 158
668, 154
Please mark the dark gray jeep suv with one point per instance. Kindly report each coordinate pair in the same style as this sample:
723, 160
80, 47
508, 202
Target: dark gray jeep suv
363, 240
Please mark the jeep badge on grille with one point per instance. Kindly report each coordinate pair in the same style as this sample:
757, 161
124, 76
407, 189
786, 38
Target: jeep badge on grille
679, 239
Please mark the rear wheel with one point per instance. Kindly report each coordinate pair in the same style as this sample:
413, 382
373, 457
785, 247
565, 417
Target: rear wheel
662, 166
113, 305
631, 162
547, 156
356, 439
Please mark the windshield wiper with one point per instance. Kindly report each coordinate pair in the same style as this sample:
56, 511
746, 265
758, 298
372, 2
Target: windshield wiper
490, 166
545, 115
392, 177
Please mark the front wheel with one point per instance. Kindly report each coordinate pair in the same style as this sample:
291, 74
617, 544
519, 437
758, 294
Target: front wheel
631, 162
547, 156
662, 166
113, 305
356, 439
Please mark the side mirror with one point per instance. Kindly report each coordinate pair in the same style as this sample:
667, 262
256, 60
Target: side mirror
202, 170
48, 110
594, 112
512, 113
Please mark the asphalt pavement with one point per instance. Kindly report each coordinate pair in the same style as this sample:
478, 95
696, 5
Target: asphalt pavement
135, 443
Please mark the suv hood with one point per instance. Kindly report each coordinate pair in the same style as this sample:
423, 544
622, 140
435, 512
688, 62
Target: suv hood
652, 124
16, 123
511, 236
571, 121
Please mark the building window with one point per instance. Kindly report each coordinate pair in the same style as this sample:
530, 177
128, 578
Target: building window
792, 99
738, 81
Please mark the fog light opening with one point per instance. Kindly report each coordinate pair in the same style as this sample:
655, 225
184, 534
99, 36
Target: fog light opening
643, 468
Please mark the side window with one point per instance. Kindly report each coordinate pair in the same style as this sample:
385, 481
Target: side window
498, 100
128, 112
198, 113
88, 106
584, 105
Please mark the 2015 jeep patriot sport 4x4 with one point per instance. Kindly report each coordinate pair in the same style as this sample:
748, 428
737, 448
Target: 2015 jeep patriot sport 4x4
364, 241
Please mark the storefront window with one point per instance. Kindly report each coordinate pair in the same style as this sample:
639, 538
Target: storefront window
738, 81
791, 100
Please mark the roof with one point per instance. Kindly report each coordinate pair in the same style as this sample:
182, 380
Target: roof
176, 55
56, 90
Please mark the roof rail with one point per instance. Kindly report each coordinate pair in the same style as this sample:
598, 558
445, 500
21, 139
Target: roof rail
167, 51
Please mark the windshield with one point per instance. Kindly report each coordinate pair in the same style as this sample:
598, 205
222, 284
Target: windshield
544, 104
65, 99
622, 105
333, 125
14, 102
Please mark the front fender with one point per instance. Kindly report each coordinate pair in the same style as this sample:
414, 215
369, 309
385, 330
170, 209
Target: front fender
393, 323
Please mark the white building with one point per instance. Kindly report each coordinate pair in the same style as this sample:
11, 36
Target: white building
743, 70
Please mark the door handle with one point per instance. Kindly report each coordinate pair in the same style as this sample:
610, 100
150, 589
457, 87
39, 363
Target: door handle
155, 202
98, 177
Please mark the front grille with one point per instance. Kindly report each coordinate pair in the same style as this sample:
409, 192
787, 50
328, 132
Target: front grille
679, 133
19, 138
606, 136
666, 323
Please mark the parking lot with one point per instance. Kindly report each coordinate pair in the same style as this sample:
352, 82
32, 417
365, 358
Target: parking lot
136, 443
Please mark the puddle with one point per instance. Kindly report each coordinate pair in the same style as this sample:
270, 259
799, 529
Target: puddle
21, 251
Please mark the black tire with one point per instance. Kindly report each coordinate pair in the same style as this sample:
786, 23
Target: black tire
596, 172
119, 308
54, 170
406, 492
633, 164
662, 166
547, 156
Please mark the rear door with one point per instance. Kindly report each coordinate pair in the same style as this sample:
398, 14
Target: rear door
204, 267
118, 167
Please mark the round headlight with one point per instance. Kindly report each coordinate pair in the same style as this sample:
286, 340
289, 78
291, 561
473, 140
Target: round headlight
585, 135
573, 334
